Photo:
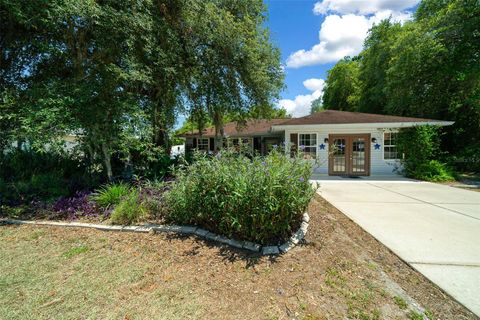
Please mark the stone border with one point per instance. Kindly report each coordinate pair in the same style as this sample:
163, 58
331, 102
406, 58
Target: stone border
199, 232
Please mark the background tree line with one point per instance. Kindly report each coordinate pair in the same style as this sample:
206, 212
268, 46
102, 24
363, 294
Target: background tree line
428, 67
118, 73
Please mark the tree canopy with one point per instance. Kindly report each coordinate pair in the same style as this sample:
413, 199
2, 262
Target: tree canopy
317, 105
428, 67
342, 88
117, 74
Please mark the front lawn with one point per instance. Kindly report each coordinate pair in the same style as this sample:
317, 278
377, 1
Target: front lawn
341, 271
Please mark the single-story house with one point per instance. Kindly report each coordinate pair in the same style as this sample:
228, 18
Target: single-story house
338, 142
257, 133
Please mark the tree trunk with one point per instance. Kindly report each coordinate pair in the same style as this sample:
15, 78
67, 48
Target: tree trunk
19, 144
218, 122
107, 158
160, 132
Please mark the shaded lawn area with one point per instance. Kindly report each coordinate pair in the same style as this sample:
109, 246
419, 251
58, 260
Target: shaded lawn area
466, 181
340, 271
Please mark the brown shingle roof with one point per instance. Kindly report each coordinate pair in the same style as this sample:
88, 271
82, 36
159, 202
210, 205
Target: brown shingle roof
341, 117
263, 126
251, 127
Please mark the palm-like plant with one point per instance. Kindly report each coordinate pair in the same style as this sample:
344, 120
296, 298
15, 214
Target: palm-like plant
111, 194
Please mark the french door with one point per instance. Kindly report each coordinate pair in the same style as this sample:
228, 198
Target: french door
349, 154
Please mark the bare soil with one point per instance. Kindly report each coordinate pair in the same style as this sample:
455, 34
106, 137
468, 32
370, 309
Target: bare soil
338, 272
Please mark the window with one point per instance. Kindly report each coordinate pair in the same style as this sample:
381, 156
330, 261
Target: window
241, 143
203, 144
308, 145
390, 146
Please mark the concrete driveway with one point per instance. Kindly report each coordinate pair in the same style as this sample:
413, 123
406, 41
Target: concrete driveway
435, 228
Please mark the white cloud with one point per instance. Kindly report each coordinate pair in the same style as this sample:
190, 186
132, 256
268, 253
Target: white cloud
340, 36
314, 84
300, 106
362, 6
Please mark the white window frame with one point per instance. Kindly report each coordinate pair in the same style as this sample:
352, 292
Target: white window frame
208, 144
309, 146
389, 145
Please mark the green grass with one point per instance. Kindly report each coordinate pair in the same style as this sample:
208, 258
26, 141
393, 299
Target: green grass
400, 302
359, 300
413, 315
75, 251
47, 276
334, 278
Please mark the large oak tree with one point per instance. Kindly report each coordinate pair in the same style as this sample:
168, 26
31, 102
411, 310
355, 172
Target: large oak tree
118, 73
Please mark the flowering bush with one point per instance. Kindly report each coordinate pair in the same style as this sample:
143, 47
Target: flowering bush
260, 199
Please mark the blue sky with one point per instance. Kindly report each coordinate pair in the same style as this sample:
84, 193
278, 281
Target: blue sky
314, 34
293, 26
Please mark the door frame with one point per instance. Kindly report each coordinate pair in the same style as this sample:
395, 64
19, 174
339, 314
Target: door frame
348, 153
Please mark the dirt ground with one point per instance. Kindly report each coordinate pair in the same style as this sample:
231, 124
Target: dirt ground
338, 272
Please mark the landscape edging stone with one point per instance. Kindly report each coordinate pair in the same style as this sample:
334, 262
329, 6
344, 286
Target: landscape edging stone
199, 232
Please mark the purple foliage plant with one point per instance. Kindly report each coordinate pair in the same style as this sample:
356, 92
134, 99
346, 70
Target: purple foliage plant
77, 206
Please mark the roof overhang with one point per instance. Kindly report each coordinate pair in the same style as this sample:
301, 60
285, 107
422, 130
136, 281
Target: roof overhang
377, 125
237, 135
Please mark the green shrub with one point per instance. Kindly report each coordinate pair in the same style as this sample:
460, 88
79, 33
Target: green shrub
44, 186
260, 199
467, 160
433, 170
420, 147
131, 209
29, 175
22, 165
111, 194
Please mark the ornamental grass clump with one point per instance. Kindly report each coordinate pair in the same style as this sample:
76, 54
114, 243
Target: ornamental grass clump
131, 209
260, 199
111, 195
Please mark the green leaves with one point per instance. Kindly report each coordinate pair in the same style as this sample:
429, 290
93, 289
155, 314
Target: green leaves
342, 88
260, 199
130, 209
121, 72
428, 67
418, 157
111, 195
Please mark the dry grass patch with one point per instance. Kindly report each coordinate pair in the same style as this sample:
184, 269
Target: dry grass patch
339, 272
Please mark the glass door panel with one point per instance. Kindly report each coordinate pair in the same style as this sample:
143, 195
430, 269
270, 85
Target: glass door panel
339, 156
349, 154
358, 156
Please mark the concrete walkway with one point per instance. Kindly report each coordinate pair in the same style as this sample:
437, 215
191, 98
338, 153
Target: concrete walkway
435, 228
